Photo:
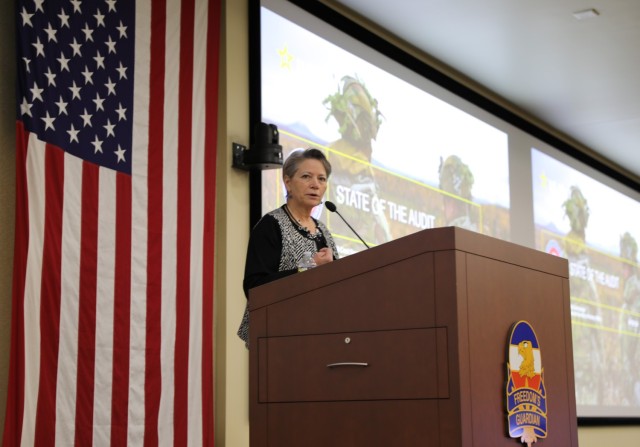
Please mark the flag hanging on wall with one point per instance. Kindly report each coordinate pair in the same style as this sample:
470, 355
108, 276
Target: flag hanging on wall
113, 271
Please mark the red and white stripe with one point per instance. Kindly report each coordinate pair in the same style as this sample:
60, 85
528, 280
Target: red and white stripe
113, 283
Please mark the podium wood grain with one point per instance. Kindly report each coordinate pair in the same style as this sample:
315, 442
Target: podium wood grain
418, 328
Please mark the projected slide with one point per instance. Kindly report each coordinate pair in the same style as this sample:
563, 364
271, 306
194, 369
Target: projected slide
574, 219
403, 160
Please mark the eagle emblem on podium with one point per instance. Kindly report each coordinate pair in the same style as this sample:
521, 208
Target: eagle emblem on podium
526, 393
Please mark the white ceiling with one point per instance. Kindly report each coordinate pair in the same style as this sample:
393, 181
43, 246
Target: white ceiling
580, 77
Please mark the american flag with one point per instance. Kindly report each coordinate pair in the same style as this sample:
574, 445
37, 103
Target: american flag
115, 198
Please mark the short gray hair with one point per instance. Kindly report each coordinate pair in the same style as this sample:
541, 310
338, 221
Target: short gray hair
293, 161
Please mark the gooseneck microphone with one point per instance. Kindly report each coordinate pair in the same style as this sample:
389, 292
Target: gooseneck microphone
332, 207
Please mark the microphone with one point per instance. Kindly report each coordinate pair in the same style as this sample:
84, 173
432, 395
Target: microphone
332, 207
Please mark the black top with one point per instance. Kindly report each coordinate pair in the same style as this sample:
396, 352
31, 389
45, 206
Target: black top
276, 245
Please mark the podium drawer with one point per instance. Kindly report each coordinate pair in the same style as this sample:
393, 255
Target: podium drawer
380, 365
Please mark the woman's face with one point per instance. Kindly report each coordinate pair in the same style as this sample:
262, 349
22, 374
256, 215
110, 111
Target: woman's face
308, 185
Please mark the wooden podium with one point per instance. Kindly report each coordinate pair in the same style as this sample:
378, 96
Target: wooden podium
405, 344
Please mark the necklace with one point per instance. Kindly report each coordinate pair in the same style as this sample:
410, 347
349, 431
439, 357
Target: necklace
294, 218
290, 213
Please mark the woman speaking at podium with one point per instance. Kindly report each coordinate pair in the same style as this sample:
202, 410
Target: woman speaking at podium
288, 239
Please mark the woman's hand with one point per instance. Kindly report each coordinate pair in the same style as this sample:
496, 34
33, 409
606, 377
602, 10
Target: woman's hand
323, 256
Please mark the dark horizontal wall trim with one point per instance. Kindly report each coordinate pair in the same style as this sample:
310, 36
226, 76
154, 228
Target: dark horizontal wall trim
353, 29
593, 422
255, 107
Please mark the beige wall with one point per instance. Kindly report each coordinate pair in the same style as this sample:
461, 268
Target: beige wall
607, 436
232, 411
232, 381
7, 188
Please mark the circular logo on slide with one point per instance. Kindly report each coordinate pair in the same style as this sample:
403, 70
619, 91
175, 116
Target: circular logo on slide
554, 248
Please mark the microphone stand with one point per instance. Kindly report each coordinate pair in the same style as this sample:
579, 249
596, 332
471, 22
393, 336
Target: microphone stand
332, 207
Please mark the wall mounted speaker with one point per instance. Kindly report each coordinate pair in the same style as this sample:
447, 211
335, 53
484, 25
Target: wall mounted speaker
264, 153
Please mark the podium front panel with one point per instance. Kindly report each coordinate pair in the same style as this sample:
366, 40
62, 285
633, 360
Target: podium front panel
429, 315
353, 366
